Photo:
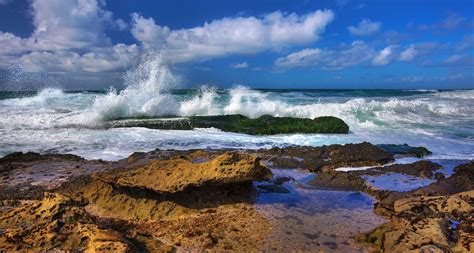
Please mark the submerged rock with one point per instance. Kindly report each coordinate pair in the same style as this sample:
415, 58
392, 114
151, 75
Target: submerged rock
405, 150
264, 125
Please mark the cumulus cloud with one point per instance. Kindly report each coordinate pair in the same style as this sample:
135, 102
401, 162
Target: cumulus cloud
384, 56
68, 36
365, 27
113, 58
121, 25
63, 24
240, 35
344, 57
242, 65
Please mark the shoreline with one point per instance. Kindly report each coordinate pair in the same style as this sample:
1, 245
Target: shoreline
304, 193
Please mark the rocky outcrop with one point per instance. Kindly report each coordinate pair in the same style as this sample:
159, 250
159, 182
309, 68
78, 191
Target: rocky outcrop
405, 150
123, 210
426, 222
264, 125
343, 181
438, 217
57, 223
176, 175
421, 169
327, 158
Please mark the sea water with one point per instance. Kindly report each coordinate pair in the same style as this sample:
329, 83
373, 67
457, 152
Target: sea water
52, 120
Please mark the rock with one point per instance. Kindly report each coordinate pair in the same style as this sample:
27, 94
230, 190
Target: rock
419, 169
444, 204
273, 188
327, 158
33, 157
334, 180
16, 159
422, 219
265, 124
405, 150
57, 222
439, 176
422, 169
171, 176
281, 180
118, 210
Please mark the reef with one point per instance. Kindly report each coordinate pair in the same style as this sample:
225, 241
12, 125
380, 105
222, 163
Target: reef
263, 125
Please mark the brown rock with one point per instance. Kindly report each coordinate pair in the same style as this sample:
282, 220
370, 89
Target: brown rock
421, 220
57, 222
175, 175
334, 180
327, 157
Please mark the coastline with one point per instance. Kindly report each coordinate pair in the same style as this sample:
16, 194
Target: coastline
306, 204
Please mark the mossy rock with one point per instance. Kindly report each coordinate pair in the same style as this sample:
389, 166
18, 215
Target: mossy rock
264, 125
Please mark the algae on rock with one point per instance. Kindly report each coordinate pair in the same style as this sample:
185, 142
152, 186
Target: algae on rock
264, 125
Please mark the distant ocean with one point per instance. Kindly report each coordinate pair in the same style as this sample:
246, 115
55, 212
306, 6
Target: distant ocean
56, 121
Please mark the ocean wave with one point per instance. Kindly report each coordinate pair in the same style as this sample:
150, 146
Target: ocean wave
457, 94
41, 99
54, 108
146, 92
149, 93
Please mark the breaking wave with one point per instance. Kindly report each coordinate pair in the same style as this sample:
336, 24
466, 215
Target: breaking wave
149, 92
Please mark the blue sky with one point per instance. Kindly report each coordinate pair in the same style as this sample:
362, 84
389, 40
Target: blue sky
89, 44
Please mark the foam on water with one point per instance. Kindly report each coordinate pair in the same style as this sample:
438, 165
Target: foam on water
145, 93
57, 121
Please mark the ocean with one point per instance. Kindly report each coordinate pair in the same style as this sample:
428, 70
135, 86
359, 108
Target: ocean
55, 121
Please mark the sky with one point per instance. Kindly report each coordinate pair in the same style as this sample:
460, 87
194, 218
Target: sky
330, 44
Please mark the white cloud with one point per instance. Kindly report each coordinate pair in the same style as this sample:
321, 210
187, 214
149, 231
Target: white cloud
63, 24
68, 36
113, 58
384, 56
242, 65
146, 30
121, 25
5, 1
365, 27
240, 35
408, 54
358, 53
344, 57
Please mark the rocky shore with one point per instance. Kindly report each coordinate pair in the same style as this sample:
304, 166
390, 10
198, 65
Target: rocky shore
236, 200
